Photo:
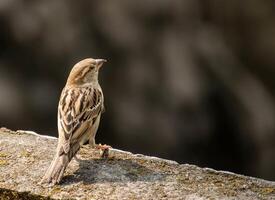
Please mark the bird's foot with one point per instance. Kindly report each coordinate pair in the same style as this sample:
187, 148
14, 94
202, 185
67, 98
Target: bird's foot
87, 146
104, 150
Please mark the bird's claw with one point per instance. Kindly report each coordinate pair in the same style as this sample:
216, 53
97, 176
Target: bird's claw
104, 150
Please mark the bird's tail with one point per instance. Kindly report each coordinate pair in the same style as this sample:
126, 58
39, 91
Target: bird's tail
57, 168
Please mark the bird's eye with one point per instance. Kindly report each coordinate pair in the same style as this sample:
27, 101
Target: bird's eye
92, 67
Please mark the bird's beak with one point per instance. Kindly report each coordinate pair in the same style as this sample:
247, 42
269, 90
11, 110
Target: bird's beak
99, 62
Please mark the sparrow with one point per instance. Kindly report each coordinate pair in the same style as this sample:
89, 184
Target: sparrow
79, 110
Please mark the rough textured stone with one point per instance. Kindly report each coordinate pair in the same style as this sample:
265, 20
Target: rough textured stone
24, 157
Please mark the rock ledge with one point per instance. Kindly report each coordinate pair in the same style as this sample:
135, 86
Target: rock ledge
25, 156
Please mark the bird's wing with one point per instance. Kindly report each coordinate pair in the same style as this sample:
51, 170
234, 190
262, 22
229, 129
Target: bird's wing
77, 108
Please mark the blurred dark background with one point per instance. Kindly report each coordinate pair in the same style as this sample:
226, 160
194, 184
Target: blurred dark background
188, 80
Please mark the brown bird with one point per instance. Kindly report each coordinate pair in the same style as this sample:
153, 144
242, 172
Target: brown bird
80, 106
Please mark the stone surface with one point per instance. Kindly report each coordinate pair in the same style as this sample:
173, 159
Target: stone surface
25, 156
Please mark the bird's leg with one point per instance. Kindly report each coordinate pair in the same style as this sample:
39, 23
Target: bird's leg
89, 143
92, 142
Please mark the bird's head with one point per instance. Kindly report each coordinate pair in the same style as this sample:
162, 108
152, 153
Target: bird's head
85, 72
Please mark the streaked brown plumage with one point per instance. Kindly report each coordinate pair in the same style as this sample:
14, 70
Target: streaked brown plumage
80, 106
